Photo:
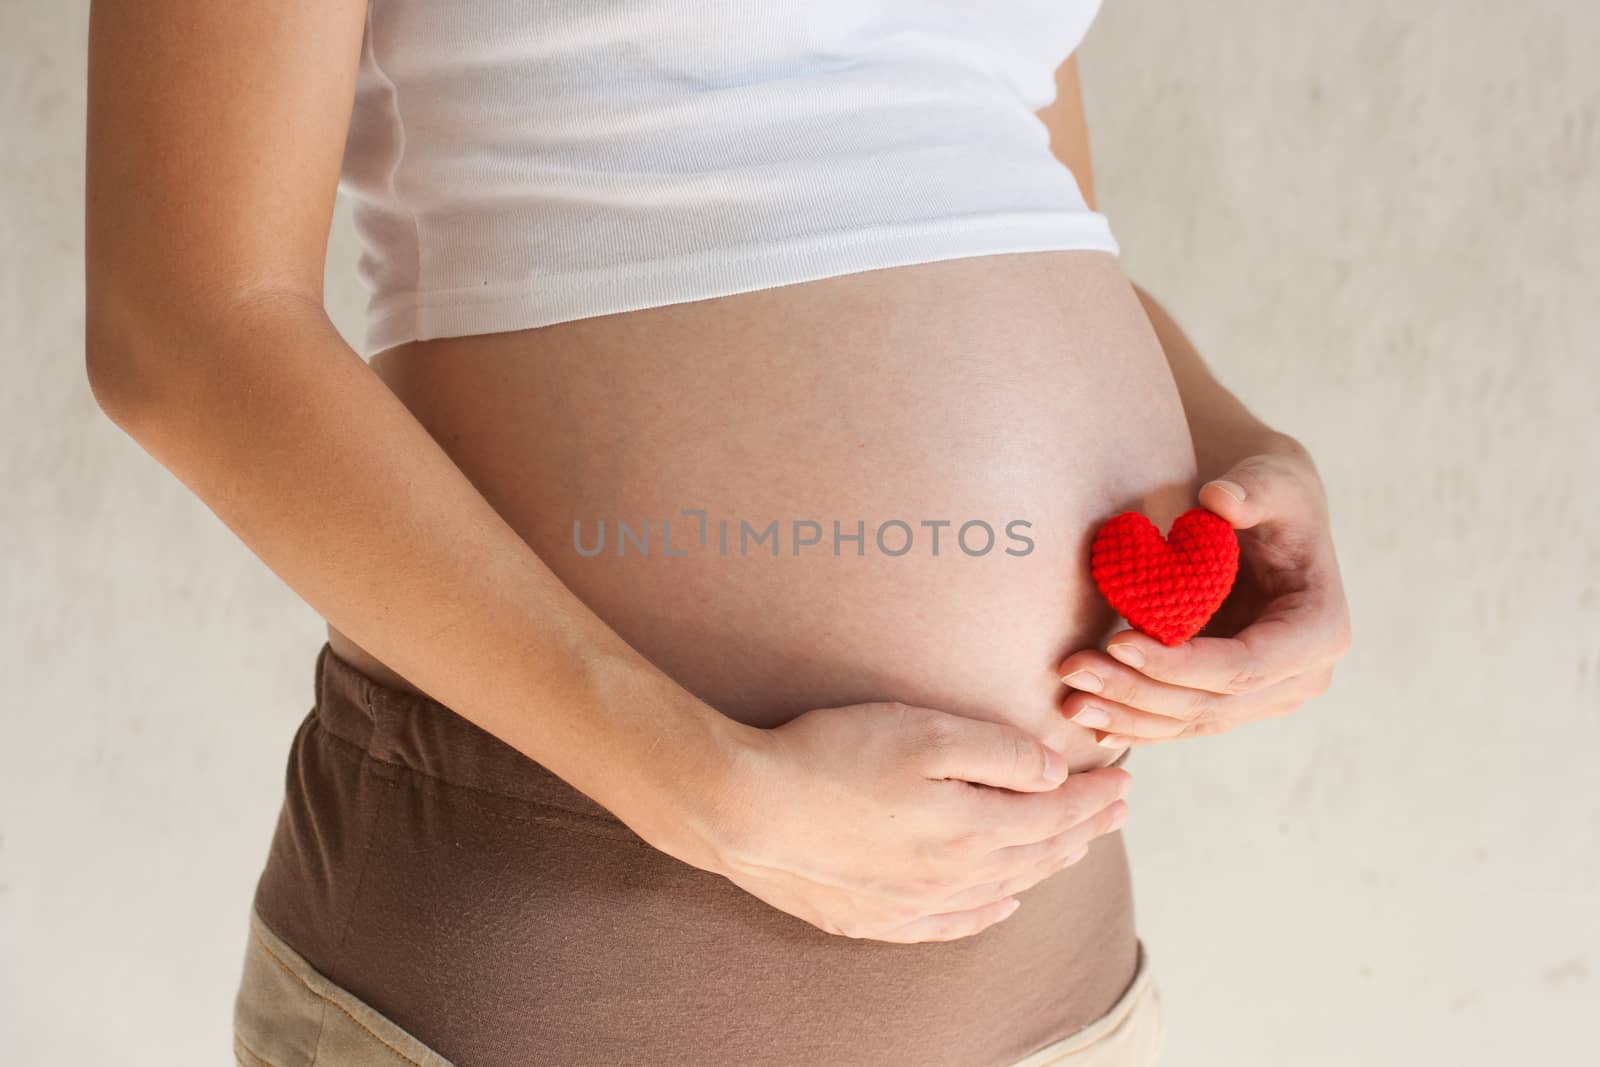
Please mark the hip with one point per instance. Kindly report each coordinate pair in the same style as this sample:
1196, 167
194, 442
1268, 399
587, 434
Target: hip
498, 916
288, 1015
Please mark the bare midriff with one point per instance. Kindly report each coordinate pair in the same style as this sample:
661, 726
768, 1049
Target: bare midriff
1022, 394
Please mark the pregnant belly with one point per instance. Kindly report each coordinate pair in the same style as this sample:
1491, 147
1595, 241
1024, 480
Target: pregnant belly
878, 486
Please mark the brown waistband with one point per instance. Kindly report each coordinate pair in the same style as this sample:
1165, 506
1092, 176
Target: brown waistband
503, 917
405, 729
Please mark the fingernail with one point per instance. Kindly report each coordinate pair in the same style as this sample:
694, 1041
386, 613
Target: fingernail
1011, 909
1117, 820
1127, 652
1055, 768
1114, 741
1094, 718
1233, 489
1088, 681
1076, 856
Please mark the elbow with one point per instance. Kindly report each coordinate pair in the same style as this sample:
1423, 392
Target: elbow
139, 360
143, 359
113, 378
131, 380
124, 355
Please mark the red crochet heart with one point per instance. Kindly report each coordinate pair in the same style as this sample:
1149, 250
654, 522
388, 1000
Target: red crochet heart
1166, 588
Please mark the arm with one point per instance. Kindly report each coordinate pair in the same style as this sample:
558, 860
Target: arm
1223, 429
1275, 641
213, 156
215, 141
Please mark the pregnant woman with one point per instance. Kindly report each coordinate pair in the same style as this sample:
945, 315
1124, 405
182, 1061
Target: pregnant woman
701, 533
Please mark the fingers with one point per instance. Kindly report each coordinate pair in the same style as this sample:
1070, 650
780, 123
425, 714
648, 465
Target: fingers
1030, 818
1275, 498
1027, 865
1222, 665
1122, 726
1298, 632
987, 753
970, 910
1124, 703
1270, 486
1096, 681
1138, 689
951, 926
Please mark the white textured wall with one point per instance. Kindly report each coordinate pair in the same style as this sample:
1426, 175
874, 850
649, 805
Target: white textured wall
1382, 225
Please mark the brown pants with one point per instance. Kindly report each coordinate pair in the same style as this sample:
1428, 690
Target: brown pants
433, 896
288, 1015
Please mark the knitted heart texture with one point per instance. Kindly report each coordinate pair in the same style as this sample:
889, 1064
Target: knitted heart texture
1166, 587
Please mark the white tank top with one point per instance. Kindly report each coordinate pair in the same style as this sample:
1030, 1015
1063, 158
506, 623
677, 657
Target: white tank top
512, 165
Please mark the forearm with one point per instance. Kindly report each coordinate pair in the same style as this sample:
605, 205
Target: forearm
1224, 430
302, 450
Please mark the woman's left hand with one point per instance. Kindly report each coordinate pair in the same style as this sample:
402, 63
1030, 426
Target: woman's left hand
1270, 647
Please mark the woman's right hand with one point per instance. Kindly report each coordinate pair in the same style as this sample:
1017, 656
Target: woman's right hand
906, 824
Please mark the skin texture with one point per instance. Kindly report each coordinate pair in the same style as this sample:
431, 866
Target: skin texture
926, 393
1274, 643
931, 418
213, 156
1271, 646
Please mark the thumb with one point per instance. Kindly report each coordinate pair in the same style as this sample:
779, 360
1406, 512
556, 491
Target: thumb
993, 754
1245, 495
